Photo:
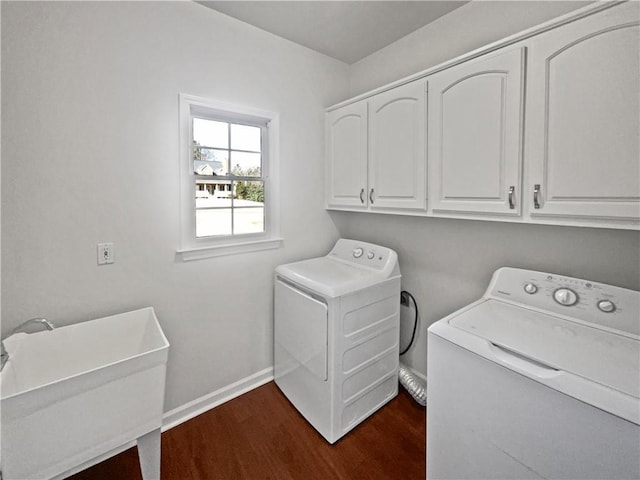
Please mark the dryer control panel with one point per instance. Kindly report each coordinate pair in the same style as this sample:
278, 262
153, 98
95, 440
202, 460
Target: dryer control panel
606, 306
365, 254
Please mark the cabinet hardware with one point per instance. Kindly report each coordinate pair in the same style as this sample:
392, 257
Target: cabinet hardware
362, 195
512, 204
371, 196
536, 195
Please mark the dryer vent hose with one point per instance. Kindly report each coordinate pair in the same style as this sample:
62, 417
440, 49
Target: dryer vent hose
412, 385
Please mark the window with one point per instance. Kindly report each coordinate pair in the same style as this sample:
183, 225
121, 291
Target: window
227, 166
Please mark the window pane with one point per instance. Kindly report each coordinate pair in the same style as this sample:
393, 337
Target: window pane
246, 164
248, 220
207, 161
244, 137
212, 222
210, 133
249, 194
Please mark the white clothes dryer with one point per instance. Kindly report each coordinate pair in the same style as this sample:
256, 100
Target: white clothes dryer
337, 334
540, 378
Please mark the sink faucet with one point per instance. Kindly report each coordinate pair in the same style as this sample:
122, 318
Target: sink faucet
4, 355
33, 321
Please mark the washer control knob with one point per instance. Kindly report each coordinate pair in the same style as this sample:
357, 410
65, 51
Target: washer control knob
565, 296
530, 288
606, 306
357, 252
371, 254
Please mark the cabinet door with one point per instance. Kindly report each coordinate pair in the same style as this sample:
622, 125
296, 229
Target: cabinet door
582, 119
475, 135
397, 148
346, 150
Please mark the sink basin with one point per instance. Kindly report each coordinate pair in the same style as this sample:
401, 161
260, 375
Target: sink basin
77, 394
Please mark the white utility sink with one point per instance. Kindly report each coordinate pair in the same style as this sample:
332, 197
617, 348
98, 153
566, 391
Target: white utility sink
78, 394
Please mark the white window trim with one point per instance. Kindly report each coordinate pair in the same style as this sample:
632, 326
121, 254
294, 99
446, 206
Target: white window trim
192, 248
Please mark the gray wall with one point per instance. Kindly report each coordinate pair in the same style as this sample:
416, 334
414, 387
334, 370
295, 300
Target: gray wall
447, 264
90, 154
471, 26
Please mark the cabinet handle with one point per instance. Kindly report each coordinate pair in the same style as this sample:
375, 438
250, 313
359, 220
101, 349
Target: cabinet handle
362, 195
371, 196
536, 195
512, 203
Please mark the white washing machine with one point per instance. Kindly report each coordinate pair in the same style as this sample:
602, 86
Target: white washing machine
337, 334
538, 379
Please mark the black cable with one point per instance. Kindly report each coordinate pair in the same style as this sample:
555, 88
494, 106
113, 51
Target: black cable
415, 321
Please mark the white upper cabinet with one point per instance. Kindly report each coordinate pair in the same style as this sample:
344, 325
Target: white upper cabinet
543, 127
397, 148
346, 144
582, 121
475, 135
376, 151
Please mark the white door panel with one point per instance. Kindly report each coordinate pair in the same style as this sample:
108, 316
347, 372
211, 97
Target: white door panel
397, 148
475, 135
347, 156
583, 118
301, 324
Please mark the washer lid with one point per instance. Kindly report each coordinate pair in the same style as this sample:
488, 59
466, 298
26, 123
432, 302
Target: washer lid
330, 277
606, 358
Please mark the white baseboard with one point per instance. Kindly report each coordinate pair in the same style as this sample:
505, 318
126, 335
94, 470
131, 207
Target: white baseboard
200, 405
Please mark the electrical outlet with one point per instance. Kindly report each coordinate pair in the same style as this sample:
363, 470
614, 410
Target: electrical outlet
404, 299
106, 253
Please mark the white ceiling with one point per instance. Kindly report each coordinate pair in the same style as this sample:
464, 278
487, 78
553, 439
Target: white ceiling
345, 30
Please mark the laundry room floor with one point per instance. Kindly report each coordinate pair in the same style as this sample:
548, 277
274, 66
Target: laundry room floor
260, 435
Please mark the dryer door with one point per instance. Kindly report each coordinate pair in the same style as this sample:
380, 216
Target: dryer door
300, 330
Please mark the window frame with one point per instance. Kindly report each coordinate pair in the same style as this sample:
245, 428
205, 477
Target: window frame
192, 247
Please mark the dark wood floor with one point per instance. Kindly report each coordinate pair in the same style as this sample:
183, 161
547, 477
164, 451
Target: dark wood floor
260, 435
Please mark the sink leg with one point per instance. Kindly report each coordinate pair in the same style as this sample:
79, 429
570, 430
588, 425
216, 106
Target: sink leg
149, 455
